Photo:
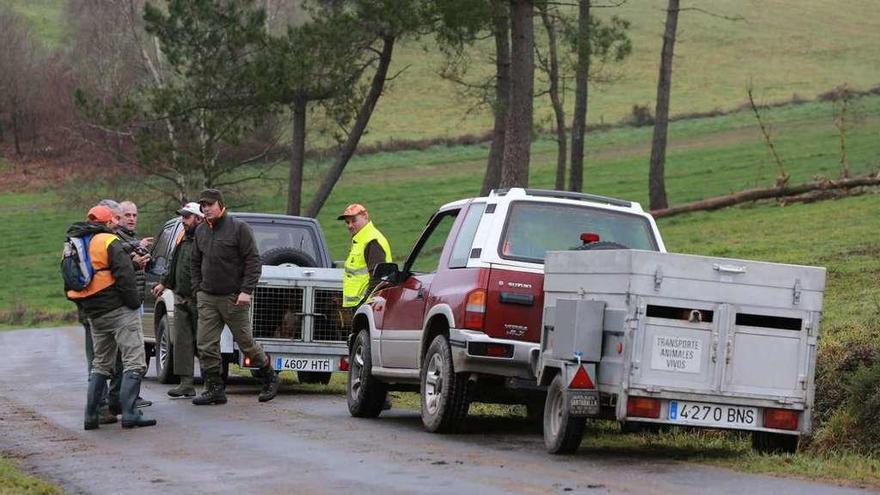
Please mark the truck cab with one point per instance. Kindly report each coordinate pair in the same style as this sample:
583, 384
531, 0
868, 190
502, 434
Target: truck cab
461, 319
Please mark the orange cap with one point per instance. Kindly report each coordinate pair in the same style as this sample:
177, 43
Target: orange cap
352, 210
100, 214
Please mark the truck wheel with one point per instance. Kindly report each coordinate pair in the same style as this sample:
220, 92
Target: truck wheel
562, 433
164, 352
322, 377
366, 394
772, 443
444, 393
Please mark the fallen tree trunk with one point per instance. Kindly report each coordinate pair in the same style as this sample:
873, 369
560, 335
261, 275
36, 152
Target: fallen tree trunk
768, 193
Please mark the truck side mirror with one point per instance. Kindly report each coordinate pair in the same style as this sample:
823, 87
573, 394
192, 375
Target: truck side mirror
387, 271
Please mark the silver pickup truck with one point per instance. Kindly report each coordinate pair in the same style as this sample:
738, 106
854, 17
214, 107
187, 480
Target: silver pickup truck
294, 310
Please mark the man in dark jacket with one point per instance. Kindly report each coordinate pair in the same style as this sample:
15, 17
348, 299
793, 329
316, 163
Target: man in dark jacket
110, 302
178, 278
225, 269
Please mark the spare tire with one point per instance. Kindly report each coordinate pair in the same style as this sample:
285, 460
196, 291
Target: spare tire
286, 255
600, 245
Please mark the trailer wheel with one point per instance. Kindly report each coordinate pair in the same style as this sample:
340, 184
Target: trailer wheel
444, 392
562, 433
366, 394
322, 377
773, 443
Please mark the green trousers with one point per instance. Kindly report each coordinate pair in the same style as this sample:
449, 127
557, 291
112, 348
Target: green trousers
183, 336
214, 312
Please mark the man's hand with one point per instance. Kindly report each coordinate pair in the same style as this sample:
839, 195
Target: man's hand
243, 299
146, 242
141, 261
158, 290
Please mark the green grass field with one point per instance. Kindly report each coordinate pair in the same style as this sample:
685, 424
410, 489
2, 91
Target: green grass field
778, 49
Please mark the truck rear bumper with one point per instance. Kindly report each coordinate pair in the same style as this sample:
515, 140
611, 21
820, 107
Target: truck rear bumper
466, 358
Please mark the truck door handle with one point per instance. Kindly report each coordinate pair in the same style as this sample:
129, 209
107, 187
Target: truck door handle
420, 294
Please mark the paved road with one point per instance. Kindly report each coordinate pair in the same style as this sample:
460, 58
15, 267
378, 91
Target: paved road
299, 443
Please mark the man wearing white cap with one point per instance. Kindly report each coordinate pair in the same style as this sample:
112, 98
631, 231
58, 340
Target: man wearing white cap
179, 279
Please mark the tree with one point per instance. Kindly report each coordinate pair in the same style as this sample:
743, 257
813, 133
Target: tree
386, 21
579, 120
518, 135
501, 35
193, 123
550, 64
19, 81
656, 179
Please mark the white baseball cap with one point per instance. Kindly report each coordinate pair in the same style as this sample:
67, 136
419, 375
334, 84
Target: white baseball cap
191, 208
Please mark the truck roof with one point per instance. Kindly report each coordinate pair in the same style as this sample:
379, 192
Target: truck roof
522, 193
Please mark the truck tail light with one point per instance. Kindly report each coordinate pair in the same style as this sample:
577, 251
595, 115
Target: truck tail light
581, 380
643, 407
475, 309
343, 364
783, 419
247, 362
490, 350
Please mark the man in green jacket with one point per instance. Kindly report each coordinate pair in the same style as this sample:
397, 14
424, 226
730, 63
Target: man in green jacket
225, 270
179, 279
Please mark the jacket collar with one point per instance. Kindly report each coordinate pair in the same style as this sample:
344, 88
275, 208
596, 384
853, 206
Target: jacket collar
218, 221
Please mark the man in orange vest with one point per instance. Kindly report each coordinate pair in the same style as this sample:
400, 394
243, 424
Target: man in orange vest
111, 301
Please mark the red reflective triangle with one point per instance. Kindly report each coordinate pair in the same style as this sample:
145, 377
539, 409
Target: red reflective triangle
581, 379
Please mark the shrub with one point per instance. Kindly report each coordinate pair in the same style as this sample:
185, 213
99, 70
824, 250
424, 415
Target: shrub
835, 365
864, 406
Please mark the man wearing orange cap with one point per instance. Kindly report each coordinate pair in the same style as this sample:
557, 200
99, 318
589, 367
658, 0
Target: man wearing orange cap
110, 301
368, 248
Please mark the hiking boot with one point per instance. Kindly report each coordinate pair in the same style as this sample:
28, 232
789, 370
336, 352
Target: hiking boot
215, 392
105, 416
141, 402
185, 389
96, 390
270, 384
128, 394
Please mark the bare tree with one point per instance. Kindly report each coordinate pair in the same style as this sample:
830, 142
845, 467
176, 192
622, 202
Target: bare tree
550, 64
501, 35
517, 145
656, 179
18, 78
579, 120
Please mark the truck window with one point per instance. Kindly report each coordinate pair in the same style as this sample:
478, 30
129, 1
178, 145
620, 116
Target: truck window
462, 249
280, 235
162, 248
534, 228
426, 255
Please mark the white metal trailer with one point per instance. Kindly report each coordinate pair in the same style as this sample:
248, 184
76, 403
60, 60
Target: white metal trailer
685, 340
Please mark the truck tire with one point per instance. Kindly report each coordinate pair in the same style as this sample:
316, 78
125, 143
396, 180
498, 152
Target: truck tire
444, 392
285, 255
322, 377
164, 352
562, 433
766, 442
366, 394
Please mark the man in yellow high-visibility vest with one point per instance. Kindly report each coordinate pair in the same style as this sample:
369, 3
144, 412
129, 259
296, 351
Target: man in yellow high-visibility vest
368, 248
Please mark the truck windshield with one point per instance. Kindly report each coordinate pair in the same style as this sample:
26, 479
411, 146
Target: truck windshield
534, 228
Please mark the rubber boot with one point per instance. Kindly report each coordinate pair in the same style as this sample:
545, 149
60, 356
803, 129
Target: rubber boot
185, 389
215, 392
111, 397
105, 416
97, 387
128, 394
270, 383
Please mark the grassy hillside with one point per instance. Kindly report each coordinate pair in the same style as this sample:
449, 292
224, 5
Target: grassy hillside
707, 157
781, 49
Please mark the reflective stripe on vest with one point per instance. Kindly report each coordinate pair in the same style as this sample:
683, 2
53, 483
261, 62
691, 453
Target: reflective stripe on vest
99, 252
357, 275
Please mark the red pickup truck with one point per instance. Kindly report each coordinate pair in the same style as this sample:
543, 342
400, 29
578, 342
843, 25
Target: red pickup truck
461, 320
